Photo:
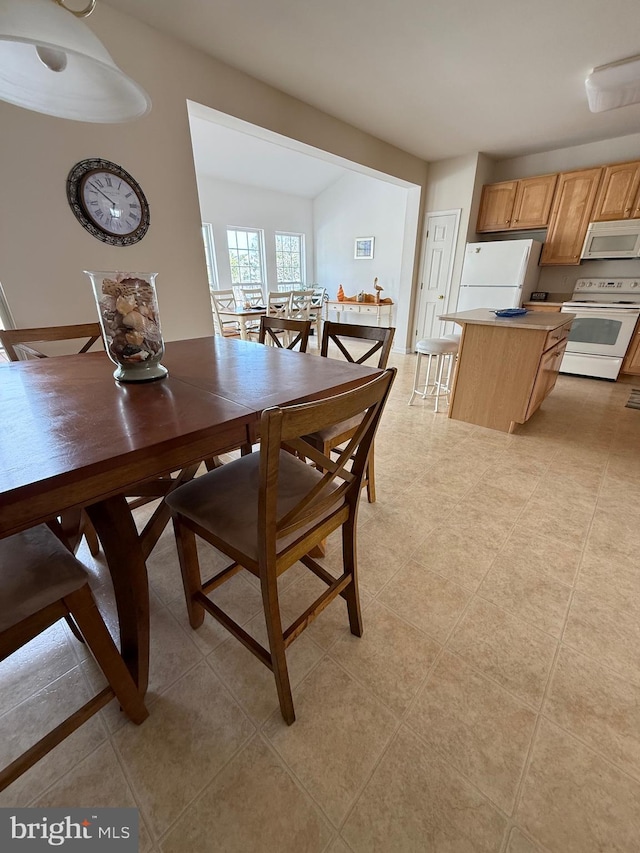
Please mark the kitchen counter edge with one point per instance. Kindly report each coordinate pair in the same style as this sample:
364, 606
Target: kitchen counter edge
543, 320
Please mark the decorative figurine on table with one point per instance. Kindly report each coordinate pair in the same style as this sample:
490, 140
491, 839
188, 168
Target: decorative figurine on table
365, 297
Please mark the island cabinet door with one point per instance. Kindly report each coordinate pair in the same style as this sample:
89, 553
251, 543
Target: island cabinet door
546, 377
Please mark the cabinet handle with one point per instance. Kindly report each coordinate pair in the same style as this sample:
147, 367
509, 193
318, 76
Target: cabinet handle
516, 221
506, 222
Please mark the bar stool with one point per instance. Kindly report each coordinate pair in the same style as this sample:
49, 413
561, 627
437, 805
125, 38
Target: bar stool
443, 350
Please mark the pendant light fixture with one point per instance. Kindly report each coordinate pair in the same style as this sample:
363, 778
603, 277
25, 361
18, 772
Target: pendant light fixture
614, 85
52, 63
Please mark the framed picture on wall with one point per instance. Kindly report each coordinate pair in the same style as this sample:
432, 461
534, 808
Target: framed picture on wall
363, 248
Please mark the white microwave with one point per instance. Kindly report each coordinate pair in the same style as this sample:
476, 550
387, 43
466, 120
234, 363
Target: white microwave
620, 239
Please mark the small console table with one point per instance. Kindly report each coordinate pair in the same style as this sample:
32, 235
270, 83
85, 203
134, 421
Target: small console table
371, 310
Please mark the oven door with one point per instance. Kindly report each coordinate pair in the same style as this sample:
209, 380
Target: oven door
596, 331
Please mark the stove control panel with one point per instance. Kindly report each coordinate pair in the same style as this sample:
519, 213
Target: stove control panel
600, 285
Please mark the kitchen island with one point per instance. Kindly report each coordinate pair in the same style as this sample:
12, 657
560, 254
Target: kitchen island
506, 366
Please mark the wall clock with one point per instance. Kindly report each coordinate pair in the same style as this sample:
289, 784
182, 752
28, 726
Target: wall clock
108, 202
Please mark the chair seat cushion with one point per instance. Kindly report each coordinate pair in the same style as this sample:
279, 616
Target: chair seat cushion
436, 346
35, 570
225, 501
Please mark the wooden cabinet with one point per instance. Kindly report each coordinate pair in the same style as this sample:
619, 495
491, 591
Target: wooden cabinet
532, 206
631, 363
546, 376
619, 194
570, 216
513, 205
496, 206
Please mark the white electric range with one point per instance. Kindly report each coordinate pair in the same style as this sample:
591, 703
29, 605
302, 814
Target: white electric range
606, 315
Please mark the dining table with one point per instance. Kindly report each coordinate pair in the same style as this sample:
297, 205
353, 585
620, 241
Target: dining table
72, 437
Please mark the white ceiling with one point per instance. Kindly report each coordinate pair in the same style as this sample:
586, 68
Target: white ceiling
221, 151
438, 79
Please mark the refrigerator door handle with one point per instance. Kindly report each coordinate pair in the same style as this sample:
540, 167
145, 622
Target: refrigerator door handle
523, 266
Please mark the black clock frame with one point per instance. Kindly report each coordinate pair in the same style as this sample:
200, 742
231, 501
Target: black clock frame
74, 197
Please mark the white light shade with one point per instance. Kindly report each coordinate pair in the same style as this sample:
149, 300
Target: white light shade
615, 85
90, 87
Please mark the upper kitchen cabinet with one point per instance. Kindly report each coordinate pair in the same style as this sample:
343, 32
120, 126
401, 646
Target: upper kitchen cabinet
570, 216
516, 205
619, 195
496, 206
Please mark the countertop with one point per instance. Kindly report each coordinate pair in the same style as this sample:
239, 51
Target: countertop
547, 321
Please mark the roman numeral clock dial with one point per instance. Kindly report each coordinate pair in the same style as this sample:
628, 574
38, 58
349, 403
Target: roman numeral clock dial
108, 202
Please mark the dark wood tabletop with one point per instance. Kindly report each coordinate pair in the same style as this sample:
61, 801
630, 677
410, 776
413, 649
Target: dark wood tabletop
72, 436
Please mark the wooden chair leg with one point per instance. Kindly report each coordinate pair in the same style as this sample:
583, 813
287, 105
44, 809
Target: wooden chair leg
84, 611
74, 628
90, 535
276, 646
190, 569
351, 593
370, 475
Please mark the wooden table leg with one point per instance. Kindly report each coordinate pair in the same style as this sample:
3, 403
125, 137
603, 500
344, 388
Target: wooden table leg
117, 531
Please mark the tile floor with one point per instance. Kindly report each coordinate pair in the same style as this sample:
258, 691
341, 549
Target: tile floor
493, 703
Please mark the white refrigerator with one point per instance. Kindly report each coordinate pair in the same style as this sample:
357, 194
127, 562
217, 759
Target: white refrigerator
499, 274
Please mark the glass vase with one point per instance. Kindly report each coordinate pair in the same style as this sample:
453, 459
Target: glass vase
128, 311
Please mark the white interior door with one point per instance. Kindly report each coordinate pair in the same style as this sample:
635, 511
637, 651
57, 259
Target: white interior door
437, 268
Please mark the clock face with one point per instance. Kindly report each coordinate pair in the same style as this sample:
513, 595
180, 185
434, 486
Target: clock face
108, 202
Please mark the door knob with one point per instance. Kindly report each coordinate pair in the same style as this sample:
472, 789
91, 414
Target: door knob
440, 297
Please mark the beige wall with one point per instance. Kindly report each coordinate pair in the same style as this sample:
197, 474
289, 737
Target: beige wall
451, 186
566, 159
43, 249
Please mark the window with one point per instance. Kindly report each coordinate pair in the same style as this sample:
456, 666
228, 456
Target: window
290, 261
245, 256
209, 253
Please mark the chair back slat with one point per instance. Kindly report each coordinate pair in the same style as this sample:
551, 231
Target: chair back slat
301, 304
279, 303
16, 341
272, 327
250, 296
343, 336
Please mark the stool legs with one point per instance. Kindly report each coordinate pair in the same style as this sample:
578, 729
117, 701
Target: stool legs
439, 388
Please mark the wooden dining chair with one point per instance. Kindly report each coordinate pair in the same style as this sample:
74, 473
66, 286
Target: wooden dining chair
221, 301
347, 339
271, 328
317, 307
268, 510
40, 583
19, 344
301, 304
250, 296
279, 303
